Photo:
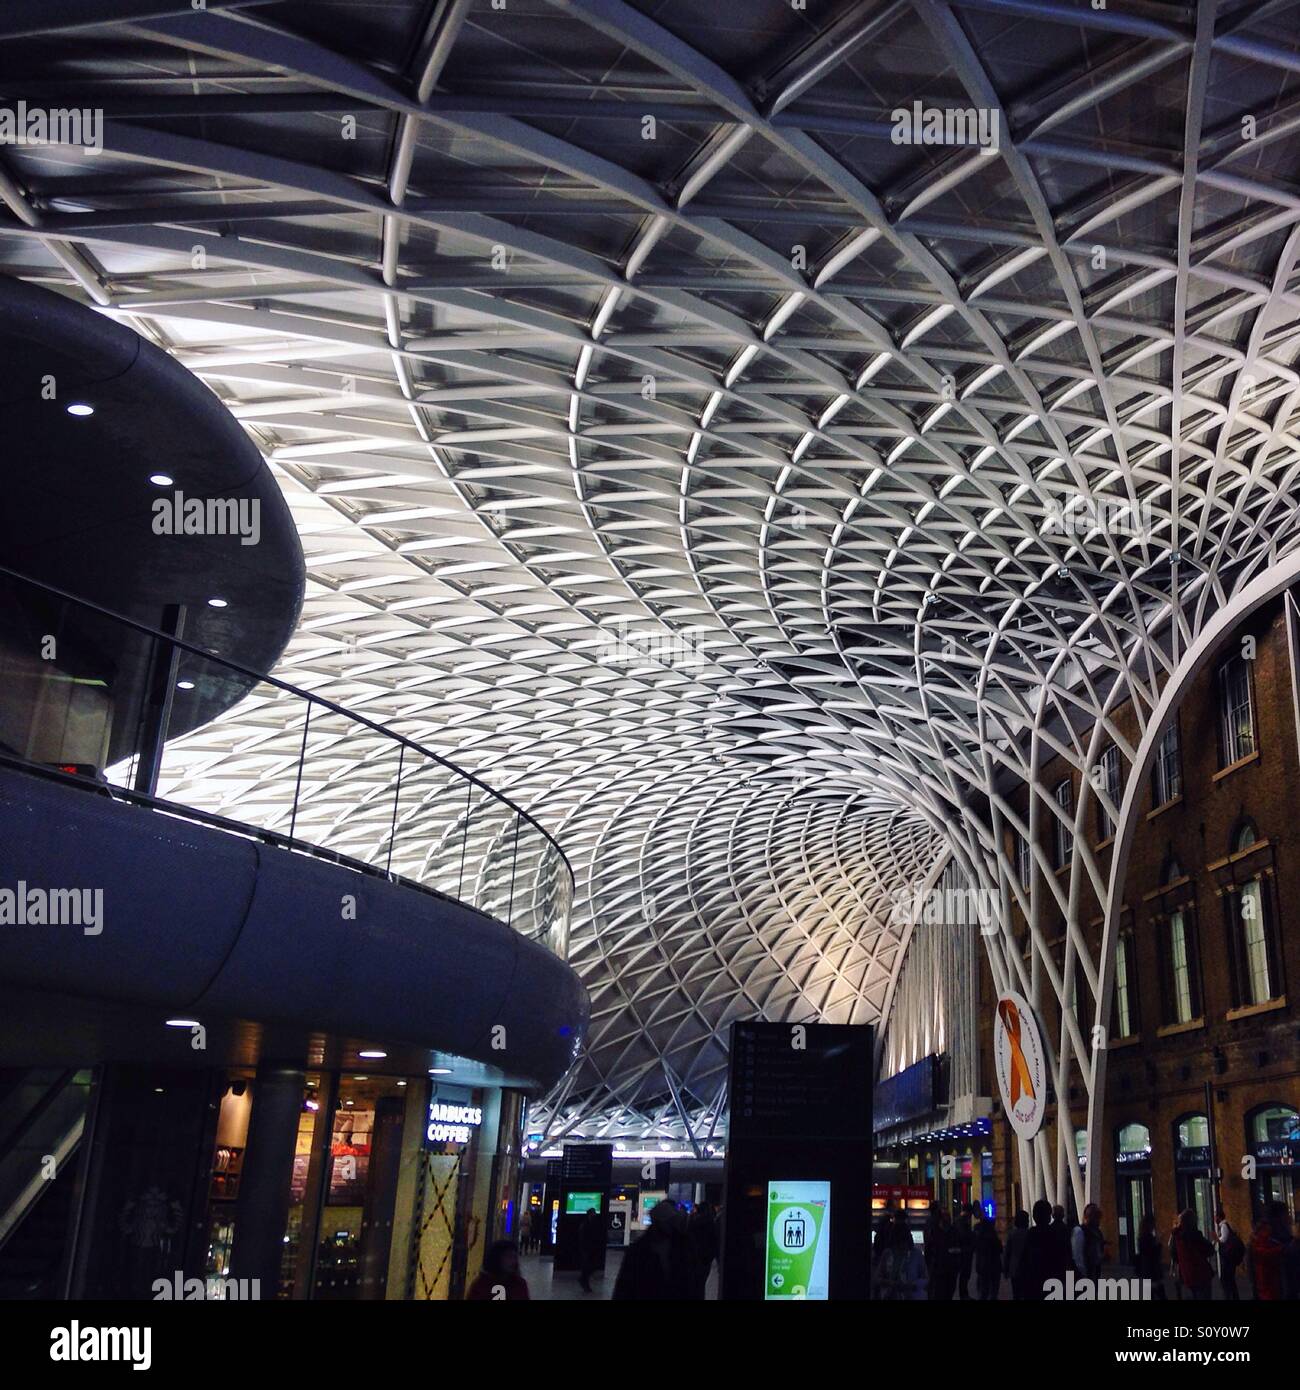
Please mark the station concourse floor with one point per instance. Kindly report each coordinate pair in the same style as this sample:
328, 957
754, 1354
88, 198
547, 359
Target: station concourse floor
547, 1286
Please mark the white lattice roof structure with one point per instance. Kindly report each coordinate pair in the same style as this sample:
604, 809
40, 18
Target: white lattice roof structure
738, 488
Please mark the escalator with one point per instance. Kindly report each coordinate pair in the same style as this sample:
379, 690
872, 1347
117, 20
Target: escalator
42, 1119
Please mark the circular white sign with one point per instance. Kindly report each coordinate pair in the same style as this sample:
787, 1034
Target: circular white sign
1019, 1061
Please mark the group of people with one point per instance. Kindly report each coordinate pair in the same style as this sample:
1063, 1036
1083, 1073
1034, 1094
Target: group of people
669, 1262
953, 1250
1271, 1258
941, 1267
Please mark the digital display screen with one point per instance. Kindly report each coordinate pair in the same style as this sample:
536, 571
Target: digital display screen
798, 1241
575, 1203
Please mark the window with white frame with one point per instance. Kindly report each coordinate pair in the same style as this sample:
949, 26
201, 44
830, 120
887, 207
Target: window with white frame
1024, 861
1236, 712
1254, 969
1123, 989
1062, 837
1108, 780
1169, 767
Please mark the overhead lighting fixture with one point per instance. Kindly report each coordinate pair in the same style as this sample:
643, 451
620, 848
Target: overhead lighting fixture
184, 685
80, 408
439, 1071
373, 1052
161, 479
217, 603
183, 1023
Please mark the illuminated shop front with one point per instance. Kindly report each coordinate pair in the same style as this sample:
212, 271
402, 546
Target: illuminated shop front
1132, 1184
1273, 1142
397, 1184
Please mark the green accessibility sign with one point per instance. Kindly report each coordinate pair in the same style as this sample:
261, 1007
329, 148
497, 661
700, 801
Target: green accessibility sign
798, 1240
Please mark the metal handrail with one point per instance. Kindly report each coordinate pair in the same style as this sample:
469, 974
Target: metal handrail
256, 678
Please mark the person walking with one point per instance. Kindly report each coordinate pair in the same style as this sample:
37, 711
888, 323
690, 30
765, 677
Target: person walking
591, 1247
659, 1266
702, 1228
893, 1268
1193, 1252
965, 1230
930, 1235
1291, 1267
1088, 1245
1013, 1256
1149, 1261
1061, 1234
1232, 1250
1265, 1257
1045, 1257
947, 1260
988, 1261
499, 1281
882, 1232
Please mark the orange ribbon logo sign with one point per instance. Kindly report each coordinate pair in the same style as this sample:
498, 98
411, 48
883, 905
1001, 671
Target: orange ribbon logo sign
1020, 1079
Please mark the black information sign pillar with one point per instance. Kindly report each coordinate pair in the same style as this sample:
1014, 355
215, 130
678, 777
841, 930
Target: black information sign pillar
797, 1195
586, 1171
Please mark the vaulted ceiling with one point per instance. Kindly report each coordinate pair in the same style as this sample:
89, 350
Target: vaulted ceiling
679, 451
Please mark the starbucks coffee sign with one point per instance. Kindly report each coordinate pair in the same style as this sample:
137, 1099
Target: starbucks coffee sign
1021, 1065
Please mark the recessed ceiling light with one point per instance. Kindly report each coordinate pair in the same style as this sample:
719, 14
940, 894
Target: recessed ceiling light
217, 603
183, 1023
80, 408
372, 1052
439, 1071
184, 685
161, 479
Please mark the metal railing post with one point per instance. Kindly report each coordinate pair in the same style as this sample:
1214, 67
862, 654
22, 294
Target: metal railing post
397, 792
302, 758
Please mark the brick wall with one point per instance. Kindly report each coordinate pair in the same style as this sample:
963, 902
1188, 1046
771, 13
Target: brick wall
1251, 1056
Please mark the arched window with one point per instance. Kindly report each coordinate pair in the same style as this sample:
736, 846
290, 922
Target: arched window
1236, 712
1273, 1141
1179, 976
1193, 1132
1274, 1124
1252, 950
1193, 1174
1133, 1141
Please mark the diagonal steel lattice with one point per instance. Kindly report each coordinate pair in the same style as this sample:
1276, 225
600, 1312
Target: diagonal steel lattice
688, 457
